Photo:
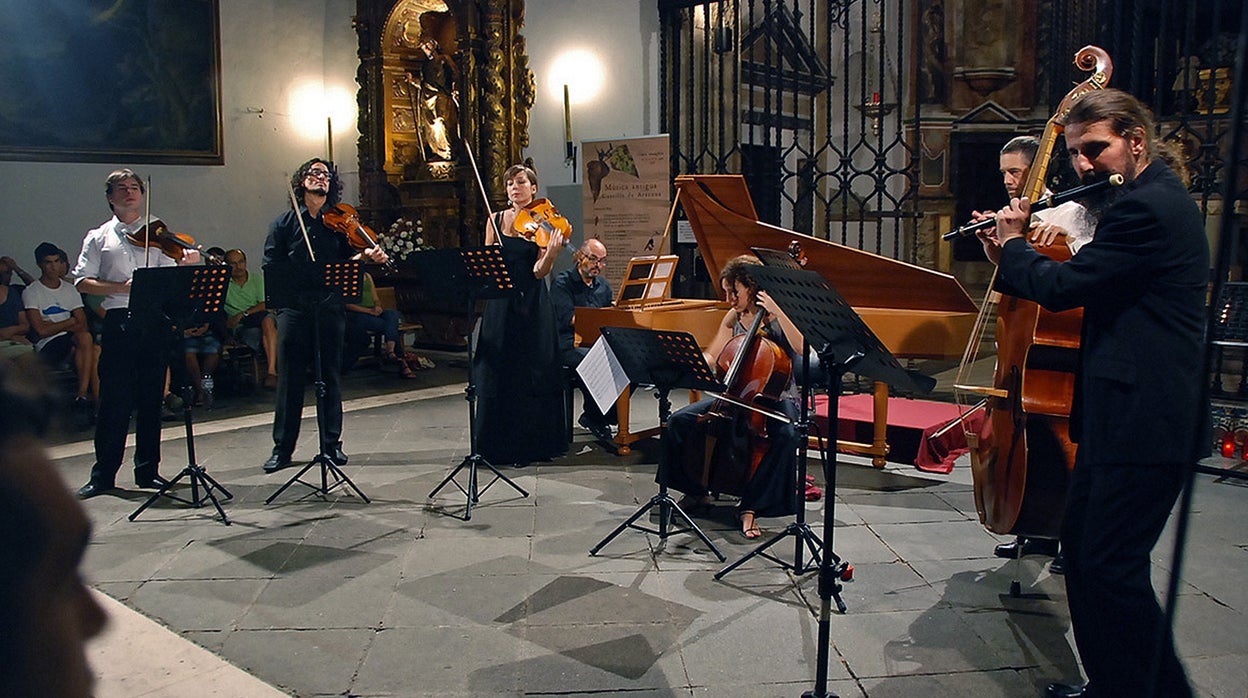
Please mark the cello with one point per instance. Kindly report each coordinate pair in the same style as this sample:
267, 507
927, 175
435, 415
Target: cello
1021, 462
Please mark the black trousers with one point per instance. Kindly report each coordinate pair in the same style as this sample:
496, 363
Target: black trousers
133, 359
295, 330
1114, 516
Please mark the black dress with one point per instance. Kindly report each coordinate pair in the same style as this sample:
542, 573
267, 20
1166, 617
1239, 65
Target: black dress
520, 409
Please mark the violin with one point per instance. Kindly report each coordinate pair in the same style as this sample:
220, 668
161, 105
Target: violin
345, 219
157, 234
539, 221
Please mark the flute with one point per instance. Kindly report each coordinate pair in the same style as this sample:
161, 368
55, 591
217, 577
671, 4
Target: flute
1049, 201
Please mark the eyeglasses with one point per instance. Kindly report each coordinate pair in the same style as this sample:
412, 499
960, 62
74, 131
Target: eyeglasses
594, 259
317, 174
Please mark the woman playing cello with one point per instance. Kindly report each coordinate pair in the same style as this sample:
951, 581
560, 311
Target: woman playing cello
520, 410
772, 490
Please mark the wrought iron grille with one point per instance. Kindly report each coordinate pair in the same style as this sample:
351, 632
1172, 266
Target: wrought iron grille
1175, 55
805, 99
814, 100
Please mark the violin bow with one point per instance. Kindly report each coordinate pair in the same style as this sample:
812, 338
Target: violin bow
147, 224
472, 160
290, 189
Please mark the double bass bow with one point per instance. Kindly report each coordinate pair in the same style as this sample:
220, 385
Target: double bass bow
1020, 464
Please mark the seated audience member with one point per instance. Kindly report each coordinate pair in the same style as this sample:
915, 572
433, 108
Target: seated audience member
8, 267
14, 326
582, 287
246, 315
49, 613
201, 350
94, 309
368, 316
58, 321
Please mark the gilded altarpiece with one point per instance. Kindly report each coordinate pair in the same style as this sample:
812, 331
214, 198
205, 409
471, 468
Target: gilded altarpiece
442, 83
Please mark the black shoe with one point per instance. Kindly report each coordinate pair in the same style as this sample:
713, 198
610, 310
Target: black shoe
1066, 690
276, 462
1058, 566
1031, 546
149, 479
93, 488
337, 456
601, 431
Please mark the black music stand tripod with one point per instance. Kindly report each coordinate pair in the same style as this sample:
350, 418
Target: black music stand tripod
308, 288
843, 343
182, 297
665, 360
474, 273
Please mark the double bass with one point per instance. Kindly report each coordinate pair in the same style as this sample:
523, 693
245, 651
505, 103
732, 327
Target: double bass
1021, 462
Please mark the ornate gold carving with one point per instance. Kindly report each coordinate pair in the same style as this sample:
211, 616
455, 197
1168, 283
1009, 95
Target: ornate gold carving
414, 56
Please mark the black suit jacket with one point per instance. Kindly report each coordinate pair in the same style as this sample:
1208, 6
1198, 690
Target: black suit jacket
1141, 392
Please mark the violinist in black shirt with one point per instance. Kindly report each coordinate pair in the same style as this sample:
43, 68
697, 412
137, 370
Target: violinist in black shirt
316, 189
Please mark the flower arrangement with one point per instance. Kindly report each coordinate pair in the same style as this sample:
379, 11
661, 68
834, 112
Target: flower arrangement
403, 238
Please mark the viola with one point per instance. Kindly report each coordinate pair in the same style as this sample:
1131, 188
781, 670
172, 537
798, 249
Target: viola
157, 234
345, 219
540, 221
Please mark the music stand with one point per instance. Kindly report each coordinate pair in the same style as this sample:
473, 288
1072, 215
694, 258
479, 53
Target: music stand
474, 273
181, 297
665, 360
843, 342
308, 288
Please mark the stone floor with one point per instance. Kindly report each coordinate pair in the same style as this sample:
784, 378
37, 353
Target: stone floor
332, 596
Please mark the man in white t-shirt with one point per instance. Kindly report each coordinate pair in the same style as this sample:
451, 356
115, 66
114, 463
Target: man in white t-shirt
58, 321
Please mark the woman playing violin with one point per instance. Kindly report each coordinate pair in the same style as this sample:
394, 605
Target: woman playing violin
296, 237
520, 411
772, 491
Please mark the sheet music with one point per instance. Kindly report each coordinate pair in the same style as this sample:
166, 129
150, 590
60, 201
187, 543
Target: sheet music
602, 375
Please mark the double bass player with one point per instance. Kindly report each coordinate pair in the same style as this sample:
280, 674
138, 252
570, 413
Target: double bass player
1139, 397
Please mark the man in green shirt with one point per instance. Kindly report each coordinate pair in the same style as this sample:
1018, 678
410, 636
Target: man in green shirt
246, 315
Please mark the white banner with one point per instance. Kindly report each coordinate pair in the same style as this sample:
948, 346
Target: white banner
626, 193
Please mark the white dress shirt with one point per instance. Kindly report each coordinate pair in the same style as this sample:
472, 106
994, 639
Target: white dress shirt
107, 256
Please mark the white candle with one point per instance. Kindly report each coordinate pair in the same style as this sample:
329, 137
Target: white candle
567, 116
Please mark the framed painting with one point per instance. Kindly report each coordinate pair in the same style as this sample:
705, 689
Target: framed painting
133, 81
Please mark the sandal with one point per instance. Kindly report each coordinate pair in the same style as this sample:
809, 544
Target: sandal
405, 370
749, 529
